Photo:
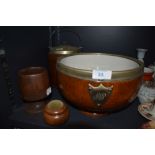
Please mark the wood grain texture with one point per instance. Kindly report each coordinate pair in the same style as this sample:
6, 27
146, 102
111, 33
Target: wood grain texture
76, 91
33, 83
52, 60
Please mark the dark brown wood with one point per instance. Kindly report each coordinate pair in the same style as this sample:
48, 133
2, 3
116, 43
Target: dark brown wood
33, 83
52, 60
35, 107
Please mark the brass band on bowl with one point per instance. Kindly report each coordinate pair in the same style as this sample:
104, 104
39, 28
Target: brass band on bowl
62, 52
64, 49
87, 74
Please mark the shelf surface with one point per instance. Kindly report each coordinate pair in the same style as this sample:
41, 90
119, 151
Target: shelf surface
127, 118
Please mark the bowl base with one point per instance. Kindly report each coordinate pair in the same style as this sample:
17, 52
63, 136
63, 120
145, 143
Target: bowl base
94, 115
34, 107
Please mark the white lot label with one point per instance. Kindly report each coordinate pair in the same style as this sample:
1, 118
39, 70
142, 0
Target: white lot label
101, 75
48, 91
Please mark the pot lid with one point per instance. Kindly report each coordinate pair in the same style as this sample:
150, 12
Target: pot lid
55, 107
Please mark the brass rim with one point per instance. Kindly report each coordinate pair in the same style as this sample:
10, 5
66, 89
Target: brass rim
65, 52
64, 49
87, 74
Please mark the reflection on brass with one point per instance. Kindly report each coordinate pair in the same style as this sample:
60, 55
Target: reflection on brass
100, 93
64, 49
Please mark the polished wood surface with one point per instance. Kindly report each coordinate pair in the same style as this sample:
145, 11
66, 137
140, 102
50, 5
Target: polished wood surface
52, 60
34, 107
76, 91
57, 114
33, 83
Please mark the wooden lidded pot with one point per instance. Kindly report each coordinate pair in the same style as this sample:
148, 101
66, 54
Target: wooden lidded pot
54, 54
56, 113
34, 83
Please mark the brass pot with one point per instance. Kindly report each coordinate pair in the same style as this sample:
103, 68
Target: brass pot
54, 54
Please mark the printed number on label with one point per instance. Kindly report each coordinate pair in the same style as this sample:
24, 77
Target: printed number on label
100, 74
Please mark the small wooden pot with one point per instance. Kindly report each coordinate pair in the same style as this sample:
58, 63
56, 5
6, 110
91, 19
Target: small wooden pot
56, 113
34, 83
